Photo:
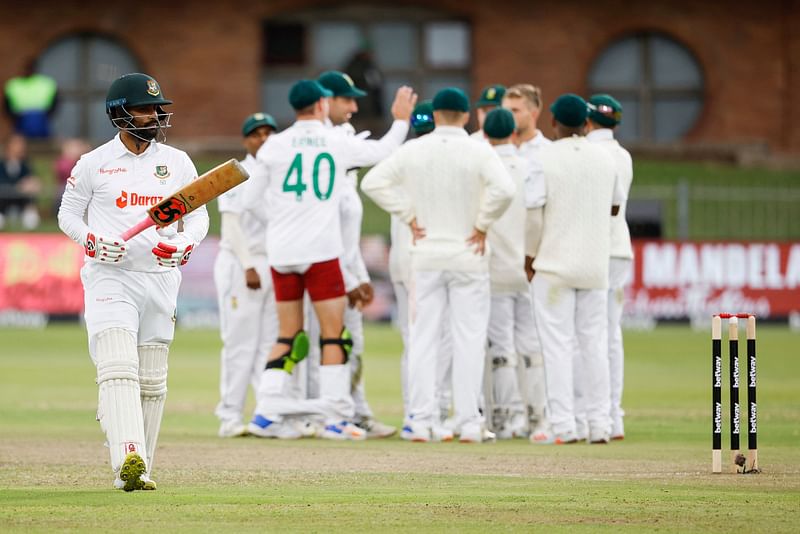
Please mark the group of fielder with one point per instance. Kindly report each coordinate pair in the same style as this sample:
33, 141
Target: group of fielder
509, 253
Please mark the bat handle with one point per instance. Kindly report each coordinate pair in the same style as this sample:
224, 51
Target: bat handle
138, 228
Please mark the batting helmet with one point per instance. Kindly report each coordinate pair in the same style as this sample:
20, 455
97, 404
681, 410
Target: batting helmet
132, 90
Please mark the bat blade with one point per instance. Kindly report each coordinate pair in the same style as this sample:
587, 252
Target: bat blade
191, 196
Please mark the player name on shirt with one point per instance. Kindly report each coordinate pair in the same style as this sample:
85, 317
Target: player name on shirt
317, 142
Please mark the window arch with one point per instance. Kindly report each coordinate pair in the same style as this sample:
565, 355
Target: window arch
657, 80
84, 65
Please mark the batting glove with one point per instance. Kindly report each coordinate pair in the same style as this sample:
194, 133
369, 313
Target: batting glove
174, 251
105, 248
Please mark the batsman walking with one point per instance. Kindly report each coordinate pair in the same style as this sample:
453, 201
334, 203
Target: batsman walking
131, 287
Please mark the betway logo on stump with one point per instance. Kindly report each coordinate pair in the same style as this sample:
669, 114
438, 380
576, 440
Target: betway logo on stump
134, 199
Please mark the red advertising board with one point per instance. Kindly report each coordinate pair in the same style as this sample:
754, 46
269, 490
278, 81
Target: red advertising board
694, 279
40, 273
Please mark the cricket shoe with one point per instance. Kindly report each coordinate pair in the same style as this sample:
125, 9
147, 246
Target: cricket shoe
130, 474
599, 437
232, 429
516, 427
376, 429
426, 434
308, 428
476, 434
617, 430
343, 431
264, 428
548, 437
145, 483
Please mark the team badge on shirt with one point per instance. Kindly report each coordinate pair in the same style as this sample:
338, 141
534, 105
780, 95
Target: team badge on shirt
162, 172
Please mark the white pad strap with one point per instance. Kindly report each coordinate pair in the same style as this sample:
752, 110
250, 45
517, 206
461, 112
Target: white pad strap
119, 410
153, 384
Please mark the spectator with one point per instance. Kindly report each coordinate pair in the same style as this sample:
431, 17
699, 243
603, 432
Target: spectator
71, 152
30, 100
18, 186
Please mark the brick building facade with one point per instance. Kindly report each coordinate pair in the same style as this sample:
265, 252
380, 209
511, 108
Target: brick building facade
210, 56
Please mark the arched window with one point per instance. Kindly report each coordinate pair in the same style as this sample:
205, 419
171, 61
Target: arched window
657, 80
84, 65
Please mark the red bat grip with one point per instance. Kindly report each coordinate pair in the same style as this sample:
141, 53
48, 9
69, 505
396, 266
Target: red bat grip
138, 228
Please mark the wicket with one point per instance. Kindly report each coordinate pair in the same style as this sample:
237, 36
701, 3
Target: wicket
749, 464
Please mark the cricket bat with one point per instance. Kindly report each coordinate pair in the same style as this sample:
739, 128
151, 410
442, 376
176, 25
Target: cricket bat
191, 196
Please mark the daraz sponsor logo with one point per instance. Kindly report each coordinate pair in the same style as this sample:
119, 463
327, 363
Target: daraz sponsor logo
134, 199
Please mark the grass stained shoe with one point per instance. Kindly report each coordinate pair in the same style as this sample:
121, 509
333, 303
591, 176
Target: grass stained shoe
131, 472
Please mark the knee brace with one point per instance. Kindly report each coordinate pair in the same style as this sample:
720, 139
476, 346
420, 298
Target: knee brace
299, 346
345, 342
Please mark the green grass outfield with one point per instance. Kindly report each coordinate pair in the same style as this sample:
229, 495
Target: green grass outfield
54, 474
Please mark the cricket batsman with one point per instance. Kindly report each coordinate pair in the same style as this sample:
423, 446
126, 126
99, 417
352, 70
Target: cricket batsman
131, 287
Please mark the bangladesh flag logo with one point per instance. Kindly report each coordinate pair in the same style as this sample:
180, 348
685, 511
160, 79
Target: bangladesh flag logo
161, 172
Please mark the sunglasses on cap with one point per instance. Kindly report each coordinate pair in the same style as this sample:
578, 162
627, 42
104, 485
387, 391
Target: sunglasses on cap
606, 111
421, 119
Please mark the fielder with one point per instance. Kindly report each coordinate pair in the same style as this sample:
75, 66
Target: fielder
605, 113
299, 186
570, 285
247, 316
525, 102
449, 189
131, 288
343, 104
491, 98
400, 275
512, 330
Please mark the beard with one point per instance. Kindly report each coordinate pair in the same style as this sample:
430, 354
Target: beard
148, 132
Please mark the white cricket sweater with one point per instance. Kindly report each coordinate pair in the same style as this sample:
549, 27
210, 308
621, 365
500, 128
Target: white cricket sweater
507, 235
581, 181
620, 234
450, 184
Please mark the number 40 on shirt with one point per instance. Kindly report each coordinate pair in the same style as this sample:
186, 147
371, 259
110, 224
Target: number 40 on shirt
293, 182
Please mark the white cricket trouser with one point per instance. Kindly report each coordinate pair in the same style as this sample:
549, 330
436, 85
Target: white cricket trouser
354, 322
401, 294
618, 276
573, 328
141, 303
248, 324
467, 295
444, 365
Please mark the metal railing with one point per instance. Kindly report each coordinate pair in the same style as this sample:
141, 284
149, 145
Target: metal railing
688, 211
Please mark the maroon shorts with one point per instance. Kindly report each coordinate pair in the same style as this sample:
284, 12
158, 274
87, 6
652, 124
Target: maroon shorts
322, 280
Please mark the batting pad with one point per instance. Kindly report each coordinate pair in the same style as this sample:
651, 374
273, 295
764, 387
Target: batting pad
153, 386
119, 408
534, 387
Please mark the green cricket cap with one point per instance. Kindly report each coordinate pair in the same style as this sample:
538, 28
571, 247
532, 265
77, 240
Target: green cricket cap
306, 92
422, 117
491, 96
256, 120
340, 84
605, 110
570, 110
451, 98
499, 123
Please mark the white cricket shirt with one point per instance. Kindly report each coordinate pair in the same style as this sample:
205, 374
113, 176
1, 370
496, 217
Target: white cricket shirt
620, 234
507, 235
535, 193
110, 190
253, 224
